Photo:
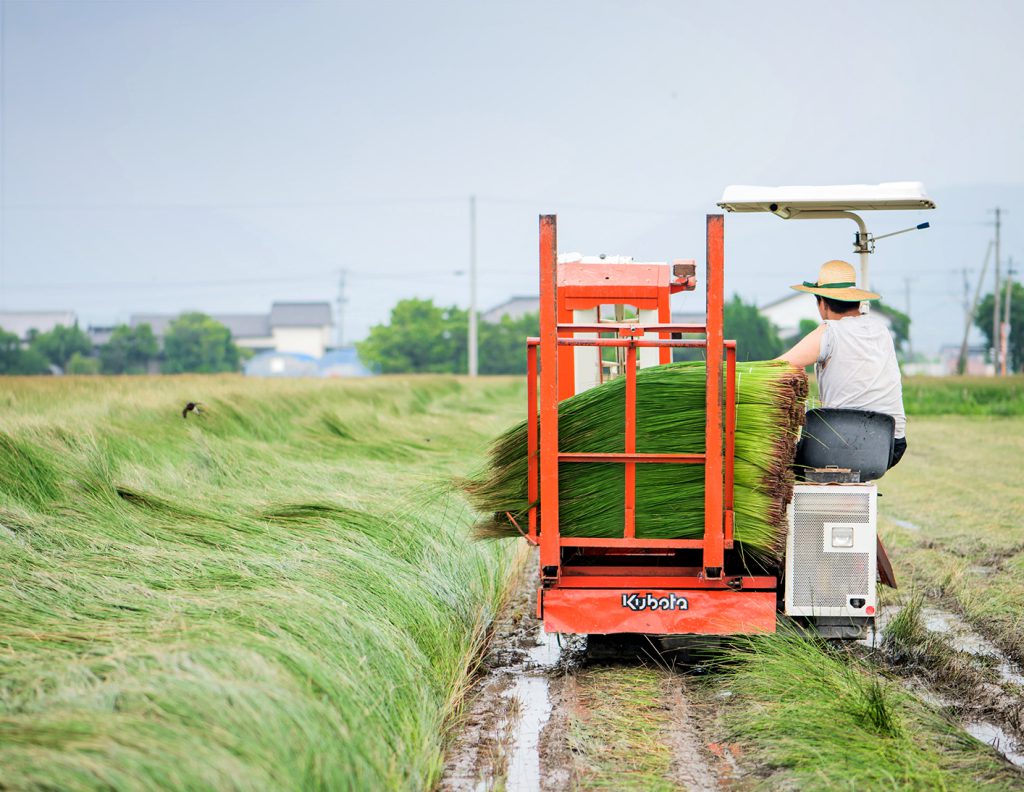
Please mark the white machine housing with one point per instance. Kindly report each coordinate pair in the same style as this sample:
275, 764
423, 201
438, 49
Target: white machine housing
831, 551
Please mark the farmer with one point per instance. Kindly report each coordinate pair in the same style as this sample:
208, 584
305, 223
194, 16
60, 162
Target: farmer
853, 354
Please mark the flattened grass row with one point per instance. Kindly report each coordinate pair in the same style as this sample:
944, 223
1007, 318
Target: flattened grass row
670, 418
246, 601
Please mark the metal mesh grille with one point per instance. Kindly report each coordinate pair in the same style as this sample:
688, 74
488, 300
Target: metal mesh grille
820, 579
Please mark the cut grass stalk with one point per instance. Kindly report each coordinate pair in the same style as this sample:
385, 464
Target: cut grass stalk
670, 418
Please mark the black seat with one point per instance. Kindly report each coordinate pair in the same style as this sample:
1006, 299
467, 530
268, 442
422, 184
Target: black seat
860, 440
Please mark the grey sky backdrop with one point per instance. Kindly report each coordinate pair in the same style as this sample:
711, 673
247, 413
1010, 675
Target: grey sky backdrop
158, 156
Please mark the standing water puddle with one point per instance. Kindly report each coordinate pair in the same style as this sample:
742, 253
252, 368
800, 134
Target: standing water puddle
906, 524
499, 744
962, 638
530, 690
998, 739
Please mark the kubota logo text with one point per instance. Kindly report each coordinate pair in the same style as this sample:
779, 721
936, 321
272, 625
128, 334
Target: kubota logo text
639, 602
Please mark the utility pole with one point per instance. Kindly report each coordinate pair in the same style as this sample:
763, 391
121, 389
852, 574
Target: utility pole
472, 287
995, 301
962, 366
1005, 327
339, 331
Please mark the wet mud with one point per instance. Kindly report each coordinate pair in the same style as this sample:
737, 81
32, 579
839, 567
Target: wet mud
511, 703
964, 674
516, 731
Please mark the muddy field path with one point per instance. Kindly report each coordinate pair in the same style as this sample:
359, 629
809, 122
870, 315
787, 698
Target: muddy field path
542, 716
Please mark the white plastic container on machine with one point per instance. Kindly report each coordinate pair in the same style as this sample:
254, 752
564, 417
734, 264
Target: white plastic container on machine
831, 551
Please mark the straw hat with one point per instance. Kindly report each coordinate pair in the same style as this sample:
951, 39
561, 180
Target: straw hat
838, 281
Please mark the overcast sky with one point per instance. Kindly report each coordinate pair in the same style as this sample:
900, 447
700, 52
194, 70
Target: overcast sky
159, 156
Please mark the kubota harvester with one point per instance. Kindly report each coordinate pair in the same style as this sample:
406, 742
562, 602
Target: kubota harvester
697, 586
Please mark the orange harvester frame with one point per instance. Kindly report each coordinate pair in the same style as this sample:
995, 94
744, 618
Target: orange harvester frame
630, 584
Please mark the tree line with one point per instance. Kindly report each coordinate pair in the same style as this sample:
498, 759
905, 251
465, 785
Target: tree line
194, 342
420, 337
423, 337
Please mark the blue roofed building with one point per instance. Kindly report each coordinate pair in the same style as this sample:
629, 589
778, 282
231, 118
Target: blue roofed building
343, 362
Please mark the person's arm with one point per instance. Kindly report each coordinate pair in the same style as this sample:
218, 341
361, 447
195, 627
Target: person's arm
807, 350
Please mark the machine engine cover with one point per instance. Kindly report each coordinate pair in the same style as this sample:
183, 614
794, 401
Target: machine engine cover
831, 550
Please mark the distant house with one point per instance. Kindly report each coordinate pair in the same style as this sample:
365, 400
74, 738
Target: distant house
689, 318
22, 322
99, 335
514, 308
787, 313
949, 357
300, 327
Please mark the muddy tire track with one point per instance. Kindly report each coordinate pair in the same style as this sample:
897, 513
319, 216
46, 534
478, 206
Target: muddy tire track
541, 717
949, 664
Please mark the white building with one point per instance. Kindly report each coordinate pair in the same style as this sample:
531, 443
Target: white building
787, 313
514, 308
22, 322
301, 327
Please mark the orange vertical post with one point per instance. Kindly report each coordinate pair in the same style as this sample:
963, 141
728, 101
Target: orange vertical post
664, 317
714, 534
566, 354
630, 473
532, 482
730, 439
549, 549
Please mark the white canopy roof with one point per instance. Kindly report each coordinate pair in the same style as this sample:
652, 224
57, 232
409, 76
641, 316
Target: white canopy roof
843, 197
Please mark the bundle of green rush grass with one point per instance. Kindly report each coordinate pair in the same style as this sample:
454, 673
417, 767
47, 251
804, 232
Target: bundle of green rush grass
669, 497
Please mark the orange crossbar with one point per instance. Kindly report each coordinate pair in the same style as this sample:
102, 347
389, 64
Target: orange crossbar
630, 542
611, 327
628, 342
658, 459
652, 578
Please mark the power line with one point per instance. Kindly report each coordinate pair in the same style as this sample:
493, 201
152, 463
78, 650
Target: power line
157, 206
149, 284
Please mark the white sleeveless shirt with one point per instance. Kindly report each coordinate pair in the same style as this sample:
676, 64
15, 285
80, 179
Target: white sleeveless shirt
857, 368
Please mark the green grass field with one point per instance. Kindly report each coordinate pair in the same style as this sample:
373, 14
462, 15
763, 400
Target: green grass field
280, 593
953, 515
277, 593
930, 396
